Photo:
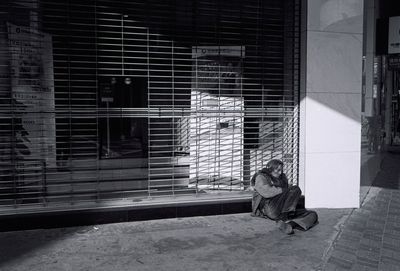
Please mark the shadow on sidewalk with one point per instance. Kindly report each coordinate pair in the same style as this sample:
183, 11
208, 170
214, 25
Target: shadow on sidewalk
389, 175
16, 245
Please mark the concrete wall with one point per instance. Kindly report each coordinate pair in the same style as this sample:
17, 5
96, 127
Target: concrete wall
330, 145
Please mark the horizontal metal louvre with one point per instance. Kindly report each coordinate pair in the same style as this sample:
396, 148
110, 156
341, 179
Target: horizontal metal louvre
132, 101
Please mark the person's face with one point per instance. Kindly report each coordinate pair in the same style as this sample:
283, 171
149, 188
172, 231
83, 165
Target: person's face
277, 171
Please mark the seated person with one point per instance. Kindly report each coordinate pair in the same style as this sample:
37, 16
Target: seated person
273, 197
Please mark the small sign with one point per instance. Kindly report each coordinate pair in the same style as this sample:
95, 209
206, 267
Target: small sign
394, 62
202, 51
107, 99
106, 93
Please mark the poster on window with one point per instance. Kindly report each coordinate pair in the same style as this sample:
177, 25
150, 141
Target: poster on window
217, 69
32, 93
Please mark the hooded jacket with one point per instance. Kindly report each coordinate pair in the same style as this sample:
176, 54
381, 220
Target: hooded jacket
266, 187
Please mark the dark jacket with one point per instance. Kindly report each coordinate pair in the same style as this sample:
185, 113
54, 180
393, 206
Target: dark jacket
265, 188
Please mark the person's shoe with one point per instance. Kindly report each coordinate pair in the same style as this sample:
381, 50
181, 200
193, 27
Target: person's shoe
285, 227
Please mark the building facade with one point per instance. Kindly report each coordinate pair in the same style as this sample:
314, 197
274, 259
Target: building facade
140, 104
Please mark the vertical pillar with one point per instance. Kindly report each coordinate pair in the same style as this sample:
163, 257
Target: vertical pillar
370, 30
330, 125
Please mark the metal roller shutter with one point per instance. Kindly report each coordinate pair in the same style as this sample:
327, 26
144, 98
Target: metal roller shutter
121, 103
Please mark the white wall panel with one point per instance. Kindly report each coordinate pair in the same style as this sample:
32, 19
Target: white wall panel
331, 104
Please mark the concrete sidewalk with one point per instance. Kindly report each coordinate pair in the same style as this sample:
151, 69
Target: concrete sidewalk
362, 239
228, 242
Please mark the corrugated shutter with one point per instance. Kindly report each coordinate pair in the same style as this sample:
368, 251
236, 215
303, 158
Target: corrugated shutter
128, 102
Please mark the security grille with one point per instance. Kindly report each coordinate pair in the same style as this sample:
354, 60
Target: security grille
132, 102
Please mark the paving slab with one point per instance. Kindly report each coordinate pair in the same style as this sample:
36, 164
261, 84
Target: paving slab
372, 232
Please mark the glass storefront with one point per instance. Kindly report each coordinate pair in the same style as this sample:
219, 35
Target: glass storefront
133, 103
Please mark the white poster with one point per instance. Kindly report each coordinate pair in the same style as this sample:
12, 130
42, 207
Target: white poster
394, 35
32, 90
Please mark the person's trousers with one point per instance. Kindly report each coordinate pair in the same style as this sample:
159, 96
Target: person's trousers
282, 204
